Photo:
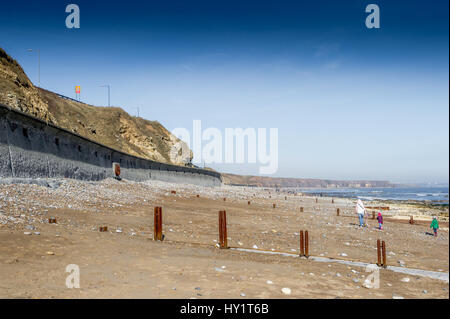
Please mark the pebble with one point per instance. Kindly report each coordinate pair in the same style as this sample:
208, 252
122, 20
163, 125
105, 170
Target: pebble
27, 233
50, 253
255, 247
242, 294
269, 282
406, 279
286, 291
395, 296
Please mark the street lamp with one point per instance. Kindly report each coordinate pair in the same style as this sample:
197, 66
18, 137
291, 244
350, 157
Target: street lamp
109, 92
39, 65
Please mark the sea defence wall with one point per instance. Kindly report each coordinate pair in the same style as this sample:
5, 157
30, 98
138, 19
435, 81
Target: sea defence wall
32, 148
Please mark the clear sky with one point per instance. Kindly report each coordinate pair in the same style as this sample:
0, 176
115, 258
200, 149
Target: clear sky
349, 102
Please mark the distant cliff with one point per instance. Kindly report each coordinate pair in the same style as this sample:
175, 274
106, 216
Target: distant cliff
260, 181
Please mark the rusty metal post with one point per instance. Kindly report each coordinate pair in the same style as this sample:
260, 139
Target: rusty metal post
373, 215
52, 220
306, 244
302, 244
378, 253
332, 201
223, 237
411, 220
383, 247
337, 212
301, 209
103, 229
248, 202
157, 224
224, 199
274, 205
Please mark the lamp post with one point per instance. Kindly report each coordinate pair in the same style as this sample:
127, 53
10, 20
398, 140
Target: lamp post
39, 64
137, 111
109, 92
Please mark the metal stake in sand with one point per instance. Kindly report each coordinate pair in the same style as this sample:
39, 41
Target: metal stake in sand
302, 244
301, 209
274, 205
379, 253
337, 212
306, 244
383, 248
411, 220
157, 224
248, 202
223, 237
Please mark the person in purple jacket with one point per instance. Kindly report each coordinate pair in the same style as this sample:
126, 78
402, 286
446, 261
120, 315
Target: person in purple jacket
380, 221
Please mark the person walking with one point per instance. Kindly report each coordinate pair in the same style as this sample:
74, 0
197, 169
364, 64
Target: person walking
434, 225
360, 210
380, 221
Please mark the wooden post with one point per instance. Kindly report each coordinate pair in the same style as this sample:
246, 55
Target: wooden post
306, 244
223, 238
157, 224
373, 215
411, 220
337, 212
379, 253
301, 209
274, 205
302, 244
248, 202
383, 246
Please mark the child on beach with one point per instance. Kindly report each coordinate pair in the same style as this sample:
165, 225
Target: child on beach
380, 221
434, 225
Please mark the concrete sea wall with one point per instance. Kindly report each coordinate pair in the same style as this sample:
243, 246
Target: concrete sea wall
32, 148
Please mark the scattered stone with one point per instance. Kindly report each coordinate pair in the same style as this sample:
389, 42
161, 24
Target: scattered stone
286, 291
269, 282
395, 296
27, 233
242, 294
406, 279
50, 253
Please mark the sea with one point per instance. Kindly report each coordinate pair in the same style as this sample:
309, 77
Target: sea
435, 195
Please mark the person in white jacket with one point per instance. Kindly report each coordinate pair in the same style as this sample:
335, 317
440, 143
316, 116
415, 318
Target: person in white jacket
360, 210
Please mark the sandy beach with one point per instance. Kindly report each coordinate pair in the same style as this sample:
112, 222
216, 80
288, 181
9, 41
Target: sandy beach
125, 261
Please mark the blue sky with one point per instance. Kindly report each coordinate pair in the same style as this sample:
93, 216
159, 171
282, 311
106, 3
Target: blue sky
311, 69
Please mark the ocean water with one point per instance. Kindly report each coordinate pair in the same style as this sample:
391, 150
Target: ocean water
433, 194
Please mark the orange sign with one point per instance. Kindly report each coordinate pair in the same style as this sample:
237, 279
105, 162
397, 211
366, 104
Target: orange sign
78, 89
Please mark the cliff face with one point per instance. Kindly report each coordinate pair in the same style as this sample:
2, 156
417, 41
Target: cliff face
297, 182
110, 126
